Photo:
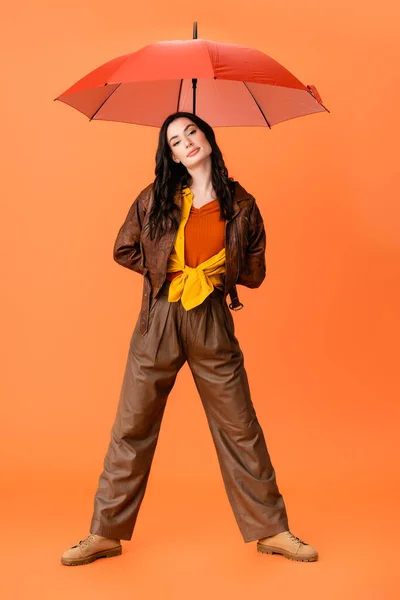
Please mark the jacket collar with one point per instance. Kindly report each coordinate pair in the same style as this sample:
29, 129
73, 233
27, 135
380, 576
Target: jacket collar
240, 196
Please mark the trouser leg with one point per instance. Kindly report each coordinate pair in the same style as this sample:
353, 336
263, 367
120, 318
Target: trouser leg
217, 364
151, 369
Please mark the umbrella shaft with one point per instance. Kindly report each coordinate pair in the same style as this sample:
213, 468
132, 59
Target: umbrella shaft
194, 85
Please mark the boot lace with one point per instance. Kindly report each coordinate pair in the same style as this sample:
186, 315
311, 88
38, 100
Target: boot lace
85, 542
294, 538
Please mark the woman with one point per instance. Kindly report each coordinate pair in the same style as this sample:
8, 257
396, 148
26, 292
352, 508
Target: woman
193, 234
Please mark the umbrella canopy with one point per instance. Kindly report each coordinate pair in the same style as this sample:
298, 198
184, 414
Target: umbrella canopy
236, 86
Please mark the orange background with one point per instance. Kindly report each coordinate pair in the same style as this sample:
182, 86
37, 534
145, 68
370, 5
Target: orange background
320, 336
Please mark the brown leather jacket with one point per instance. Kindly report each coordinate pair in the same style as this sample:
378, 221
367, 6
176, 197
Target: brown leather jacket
245, 242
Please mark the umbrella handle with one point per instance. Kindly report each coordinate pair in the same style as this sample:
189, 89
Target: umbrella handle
194, 81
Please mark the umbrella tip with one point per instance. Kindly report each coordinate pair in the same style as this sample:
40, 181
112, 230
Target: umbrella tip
313, 90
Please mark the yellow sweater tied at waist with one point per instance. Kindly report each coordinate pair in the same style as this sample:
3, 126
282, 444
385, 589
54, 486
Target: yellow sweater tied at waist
194, 284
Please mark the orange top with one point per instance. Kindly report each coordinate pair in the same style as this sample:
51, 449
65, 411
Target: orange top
204, 235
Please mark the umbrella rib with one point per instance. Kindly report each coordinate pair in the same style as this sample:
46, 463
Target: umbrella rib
259, 107
95, 113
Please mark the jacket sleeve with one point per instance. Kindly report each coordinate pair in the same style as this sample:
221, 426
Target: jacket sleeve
127, 249
253, 271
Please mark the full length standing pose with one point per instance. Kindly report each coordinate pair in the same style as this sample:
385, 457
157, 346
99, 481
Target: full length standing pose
193, 234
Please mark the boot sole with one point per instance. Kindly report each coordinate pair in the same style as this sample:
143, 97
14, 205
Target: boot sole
269, 550
74, 562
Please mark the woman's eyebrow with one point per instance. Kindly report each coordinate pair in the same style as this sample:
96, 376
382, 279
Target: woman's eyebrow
175, 136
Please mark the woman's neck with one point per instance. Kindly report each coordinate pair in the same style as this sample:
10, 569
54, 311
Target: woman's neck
202, 178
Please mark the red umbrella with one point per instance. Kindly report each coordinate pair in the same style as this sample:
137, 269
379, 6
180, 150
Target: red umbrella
233, 86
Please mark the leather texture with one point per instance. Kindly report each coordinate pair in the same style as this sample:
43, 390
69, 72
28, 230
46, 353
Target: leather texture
204, 337
245, 243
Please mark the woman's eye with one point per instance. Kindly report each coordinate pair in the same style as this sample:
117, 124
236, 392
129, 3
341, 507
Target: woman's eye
193, 131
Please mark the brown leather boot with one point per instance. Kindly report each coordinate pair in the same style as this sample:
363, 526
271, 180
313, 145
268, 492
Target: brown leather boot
91, 548
289, 545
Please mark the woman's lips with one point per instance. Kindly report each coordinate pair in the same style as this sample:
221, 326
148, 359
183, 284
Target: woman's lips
193, 152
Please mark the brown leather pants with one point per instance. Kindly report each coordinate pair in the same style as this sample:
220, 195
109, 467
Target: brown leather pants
204, 337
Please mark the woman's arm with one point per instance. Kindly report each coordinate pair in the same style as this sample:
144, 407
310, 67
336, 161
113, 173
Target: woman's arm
127, 250
253, 271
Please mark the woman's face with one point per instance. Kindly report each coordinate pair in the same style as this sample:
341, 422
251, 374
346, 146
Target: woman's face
183, 137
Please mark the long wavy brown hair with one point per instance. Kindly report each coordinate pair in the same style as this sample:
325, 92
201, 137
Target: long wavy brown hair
172, 177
